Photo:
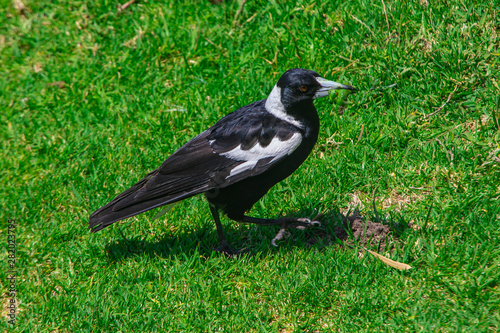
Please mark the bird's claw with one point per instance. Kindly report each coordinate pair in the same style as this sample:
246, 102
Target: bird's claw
282, 234
301, 223
227, 250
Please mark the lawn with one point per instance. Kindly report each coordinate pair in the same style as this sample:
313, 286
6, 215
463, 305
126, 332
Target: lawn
93, 96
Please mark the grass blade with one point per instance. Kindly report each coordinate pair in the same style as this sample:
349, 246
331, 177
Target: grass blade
164, 211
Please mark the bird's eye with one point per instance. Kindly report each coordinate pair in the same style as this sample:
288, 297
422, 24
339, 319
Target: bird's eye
303, 88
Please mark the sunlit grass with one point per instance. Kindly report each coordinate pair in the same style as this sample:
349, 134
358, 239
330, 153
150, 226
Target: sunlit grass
93, 98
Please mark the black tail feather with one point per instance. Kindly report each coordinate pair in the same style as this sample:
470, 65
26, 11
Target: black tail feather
106, 216
129, 203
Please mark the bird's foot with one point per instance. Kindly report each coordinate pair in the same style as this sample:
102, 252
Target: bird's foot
300, 223
282, 234
227, 250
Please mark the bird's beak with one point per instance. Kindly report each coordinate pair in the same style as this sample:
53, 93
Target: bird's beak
327, 85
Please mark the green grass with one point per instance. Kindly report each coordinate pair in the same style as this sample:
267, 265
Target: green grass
91, 99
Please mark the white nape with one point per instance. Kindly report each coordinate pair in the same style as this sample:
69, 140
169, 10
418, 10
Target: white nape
276, 107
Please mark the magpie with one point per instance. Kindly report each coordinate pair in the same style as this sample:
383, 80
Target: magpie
236, 161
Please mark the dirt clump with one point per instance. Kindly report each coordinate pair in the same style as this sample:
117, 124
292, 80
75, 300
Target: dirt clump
357, 230
354, 230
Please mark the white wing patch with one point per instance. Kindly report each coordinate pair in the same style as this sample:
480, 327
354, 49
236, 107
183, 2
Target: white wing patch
276, 107
276, 149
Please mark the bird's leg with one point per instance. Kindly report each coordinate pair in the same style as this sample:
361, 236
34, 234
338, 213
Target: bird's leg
223, 245
285, 223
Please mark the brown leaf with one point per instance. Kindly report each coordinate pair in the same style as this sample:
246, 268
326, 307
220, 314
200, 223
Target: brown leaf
396, 264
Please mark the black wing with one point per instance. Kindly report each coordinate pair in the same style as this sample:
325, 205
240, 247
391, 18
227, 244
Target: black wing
231, 150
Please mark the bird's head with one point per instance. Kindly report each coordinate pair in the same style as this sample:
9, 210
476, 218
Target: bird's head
296, 89
298, 85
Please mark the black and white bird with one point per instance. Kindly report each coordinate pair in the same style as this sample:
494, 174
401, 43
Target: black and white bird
236, 161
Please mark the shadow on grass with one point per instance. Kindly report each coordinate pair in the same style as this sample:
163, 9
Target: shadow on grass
166, 246
336, 228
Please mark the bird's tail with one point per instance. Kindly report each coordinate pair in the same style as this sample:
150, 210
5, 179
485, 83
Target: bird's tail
129, 203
